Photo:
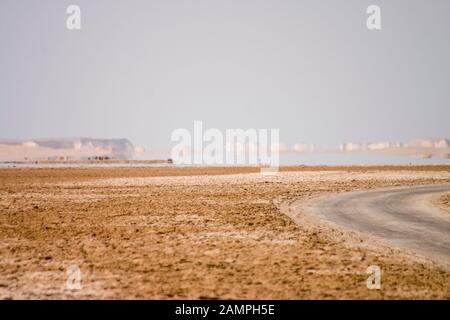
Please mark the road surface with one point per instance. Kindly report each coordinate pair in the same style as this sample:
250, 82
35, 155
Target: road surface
402, 216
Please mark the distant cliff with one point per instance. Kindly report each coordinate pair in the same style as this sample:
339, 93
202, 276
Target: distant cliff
66, 149
419, 147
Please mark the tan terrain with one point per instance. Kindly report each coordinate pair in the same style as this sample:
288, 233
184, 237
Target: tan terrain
173, 233
444, 202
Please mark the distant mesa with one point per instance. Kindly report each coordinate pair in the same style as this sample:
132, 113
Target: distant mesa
424, 148
369, 146
304, 147
430, 143
68, 149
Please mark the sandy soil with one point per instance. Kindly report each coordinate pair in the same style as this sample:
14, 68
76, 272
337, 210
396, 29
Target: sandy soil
444, 202
196, 233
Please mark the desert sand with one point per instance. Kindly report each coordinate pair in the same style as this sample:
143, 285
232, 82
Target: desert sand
199, 233
444, 202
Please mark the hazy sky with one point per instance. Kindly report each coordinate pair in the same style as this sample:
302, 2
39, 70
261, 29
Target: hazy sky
140, 69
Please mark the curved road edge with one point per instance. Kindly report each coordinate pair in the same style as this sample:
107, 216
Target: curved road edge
402, 217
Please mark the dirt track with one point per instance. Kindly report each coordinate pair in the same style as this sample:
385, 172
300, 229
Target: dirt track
401, 216
195, 233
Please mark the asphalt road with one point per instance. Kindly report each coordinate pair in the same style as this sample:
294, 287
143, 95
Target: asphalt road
402, 216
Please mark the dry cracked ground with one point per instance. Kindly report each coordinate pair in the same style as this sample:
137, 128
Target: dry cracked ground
197, 233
